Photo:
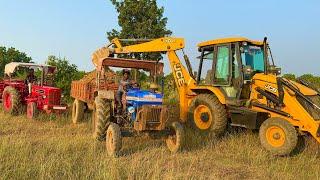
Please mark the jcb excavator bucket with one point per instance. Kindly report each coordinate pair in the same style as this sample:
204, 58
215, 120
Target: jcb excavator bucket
99, 55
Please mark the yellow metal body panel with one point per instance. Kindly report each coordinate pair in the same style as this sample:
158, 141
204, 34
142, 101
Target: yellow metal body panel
299, 117
229, 40
184, 83
212, 89
164, 44
305, 90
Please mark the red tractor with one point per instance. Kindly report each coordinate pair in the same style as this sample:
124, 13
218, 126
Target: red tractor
38, 95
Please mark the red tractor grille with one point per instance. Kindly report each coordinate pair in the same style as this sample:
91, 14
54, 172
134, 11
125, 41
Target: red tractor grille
54, 98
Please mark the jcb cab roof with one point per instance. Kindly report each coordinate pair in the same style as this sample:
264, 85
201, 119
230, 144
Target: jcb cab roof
13, 66
229, 40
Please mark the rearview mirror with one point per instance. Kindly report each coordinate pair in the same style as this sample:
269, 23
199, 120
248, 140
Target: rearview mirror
247, 70
274, 70
195, 74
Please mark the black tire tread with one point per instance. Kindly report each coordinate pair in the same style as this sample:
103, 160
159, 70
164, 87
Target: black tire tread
103, 116
218, 110
291, 136
114, 149
180, 138
16, 100
77, 111
35, 110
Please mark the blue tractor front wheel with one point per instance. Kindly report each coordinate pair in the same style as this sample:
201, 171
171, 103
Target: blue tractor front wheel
176, 138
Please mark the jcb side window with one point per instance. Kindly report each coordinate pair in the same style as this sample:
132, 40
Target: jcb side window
222, 69
205, 72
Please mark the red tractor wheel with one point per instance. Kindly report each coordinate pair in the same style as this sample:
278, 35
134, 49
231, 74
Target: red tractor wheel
11, 100
32, 110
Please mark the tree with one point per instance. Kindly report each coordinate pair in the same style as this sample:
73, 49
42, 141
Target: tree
66, 74
314, 80
170, 90
8, 55
290, 76
140, 19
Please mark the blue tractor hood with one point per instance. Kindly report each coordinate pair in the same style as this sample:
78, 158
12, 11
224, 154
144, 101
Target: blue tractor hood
137, 98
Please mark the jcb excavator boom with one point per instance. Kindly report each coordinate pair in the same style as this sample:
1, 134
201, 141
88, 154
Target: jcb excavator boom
183, 79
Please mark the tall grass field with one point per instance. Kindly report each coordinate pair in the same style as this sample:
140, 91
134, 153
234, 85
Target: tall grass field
53, 148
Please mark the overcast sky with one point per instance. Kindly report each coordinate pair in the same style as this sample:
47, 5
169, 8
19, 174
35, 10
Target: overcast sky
74, 29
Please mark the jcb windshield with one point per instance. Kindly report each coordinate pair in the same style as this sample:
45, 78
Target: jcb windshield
253, 56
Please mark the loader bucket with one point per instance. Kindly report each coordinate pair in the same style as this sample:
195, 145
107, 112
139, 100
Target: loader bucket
98, 56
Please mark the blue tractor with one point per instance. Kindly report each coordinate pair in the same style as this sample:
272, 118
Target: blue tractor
137, 99
144, 111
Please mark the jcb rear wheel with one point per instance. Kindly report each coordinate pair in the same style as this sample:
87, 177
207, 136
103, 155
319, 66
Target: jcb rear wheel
113, 140
207, 114
77, 111
32, 110
11, 100
278, 136
175, 141
102, 118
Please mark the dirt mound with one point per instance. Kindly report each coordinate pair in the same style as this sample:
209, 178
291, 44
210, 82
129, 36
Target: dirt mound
89, 77
109, 75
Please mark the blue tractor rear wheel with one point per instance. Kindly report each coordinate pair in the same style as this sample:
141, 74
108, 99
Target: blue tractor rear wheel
102, 118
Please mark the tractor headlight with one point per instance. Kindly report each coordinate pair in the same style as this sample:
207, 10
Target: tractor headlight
131, 109
44, 96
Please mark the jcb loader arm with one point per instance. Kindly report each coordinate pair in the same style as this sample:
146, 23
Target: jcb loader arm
183, 79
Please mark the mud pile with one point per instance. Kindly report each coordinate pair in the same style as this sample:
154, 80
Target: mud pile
90, 77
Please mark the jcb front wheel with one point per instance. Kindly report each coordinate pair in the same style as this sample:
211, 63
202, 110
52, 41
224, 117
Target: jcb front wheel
278, 136
175, 140
77, 111
207, 114
113, 140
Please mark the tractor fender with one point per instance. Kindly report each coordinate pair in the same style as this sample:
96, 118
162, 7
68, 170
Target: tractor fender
210, 90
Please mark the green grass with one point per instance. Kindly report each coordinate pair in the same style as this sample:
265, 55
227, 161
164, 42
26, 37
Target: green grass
53, 148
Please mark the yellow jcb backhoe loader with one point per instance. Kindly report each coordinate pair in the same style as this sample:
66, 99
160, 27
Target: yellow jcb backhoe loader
237, 83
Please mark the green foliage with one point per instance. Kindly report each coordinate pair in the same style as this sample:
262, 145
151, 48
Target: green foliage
142, 78
140, 19
314, 80
290, 76
66, 74
171, 95
8, 55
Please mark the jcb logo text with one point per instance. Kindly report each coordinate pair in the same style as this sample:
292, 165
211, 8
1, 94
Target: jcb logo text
178, 72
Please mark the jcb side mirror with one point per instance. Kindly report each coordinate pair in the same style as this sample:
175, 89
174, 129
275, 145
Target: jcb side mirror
195, 74
247, 70
274, 70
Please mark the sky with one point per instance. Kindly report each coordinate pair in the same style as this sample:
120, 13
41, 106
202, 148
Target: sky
74, 29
